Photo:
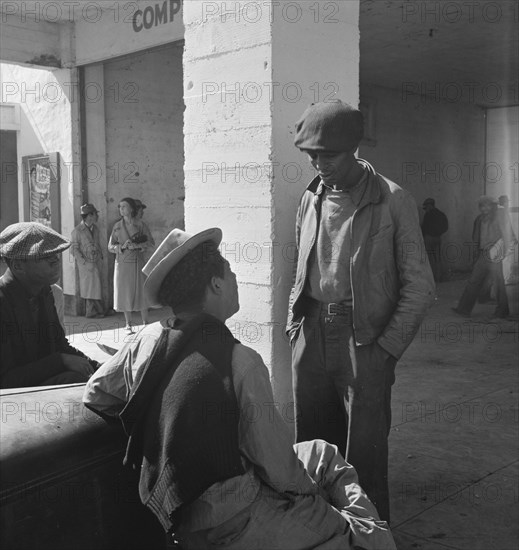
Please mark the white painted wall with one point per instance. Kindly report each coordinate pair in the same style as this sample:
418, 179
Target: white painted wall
433, 150
28, 39
144, 106
46, 126
503, 153
108, 30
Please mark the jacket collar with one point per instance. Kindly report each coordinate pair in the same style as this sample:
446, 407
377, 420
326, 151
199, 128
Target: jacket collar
16, 290
84, 227
372, 193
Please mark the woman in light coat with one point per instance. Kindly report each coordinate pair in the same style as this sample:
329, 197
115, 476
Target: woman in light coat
129, 240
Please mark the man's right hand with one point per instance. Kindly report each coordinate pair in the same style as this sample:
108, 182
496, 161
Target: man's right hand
77, 363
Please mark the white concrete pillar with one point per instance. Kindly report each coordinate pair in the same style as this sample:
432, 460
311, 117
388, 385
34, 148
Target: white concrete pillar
94, 170
250, 70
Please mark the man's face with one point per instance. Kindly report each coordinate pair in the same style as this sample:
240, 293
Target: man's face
427, 207
332, 167
485, 208
42, 272
230, 291
92, 218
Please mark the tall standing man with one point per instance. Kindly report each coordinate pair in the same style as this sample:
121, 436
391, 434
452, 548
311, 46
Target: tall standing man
86, 249
434, 225
362, 288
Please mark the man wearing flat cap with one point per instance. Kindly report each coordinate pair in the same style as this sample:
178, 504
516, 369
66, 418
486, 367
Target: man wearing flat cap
86, 249
214, 455
35, 351
362, 288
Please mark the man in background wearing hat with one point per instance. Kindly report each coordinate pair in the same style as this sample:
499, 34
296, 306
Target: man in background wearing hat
434, 225
35, 351
86, 249
362, 288
216, 464
491, 236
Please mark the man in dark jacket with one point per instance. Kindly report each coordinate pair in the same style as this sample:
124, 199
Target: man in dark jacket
35, 351
434, 225
362, 288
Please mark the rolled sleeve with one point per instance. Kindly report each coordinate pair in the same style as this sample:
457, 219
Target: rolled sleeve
108, 389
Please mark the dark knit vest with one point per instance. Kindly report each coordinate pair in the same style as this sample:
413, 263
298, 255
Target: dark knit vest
182, 417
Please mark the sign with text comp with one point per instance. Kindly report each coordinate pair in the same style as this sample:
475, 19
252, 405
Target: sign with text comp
111, 29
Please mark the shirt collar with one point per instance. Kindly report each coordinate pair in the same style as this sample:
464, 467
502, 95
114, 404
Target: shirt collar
356, 192
372, 190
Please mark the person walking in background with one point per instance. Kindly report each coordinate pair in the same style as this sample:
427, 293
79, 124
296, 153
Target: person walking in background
434, 225
129, 240
86, 249
362, 288
491, 236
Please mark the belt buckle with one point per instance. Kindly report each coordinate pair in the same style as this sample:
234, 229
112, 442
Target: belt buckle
330, 306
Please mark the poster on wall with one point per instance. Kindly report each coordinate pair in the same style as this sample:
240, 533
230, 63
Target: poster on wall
42, 176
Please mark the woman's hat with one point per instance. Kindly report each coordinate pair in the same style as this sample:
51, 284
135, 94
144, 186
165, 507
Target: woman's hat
170, 251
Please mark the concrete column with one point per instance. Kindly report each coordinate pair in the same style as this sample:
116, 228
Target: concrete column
250, 70
94, 169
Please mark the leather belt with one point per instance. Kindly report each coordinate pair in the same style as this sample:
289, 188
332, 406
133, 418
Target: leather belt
339, 308
313, 307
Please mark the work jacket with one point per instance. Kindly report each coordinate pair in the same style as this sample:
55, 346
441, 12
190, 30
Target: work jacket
391, 280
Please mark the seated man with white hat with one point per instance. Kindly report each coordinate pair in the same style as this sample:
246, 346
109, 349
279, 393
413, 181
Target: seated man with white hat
35, 351
217, 466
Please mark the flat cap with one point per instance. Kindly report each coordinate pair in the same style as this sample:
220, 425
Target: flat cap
429, 201
30, 241
139, 203
88, 209
329, 126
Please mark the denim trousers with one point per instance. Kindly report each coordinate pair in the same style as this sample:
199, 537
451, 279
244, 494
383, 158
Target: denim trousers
340, 517
342, 394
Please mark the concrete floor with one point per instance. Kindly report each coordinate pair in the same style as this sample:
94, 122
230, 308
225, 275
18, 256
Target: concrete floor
454, 467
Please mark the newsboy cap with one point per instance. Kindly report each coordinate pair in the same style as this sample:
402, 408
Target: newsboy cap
30, 241
88, 209
329, 126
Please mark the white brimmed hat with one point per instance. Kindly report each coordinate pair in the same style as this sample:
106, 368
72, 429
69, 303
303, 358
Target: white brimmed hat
170, 251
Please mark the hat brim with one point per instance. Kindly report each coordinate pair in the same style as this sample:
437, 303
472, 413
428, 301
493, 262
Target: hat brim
154, 280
